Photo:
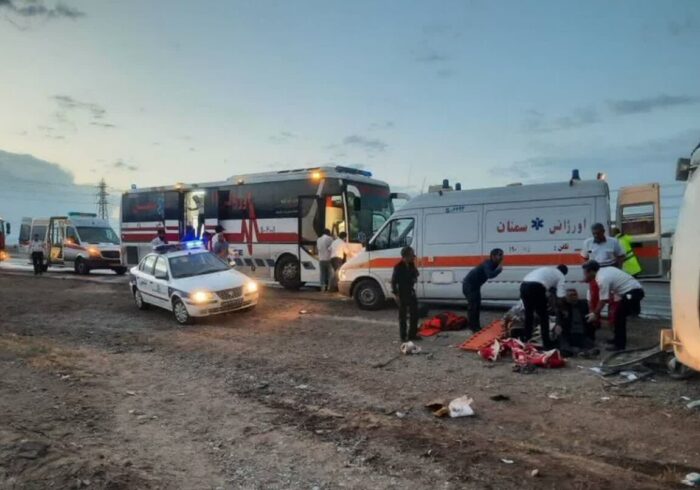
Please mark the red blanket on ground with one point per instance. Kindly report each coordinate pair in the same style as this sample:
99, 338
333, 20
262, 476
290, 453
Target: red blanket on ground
523, 354
442, 322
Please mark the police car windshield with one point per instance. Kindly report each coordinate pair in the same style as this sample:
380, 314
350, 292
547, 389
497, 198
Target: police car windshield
92, 234
196, 264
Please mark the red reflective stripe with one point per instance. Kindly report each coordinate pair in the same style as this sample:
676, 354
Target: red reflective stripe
474, 260
263, 237
652, 251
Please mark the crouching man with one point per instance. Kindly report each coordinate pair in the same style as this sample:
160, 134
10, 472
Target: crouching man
534, 292
611, 280
577, 333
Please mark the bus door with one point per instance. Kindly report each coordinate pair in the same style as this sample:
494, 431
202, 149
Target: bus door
311, 224
57, 238
638, 215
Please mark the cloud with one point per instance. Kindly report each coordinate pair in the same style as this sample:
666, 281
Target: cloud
382, 125
103, 125
649, 104
122, 165
283, 137
371, 145
538, 122
67, 103
430, 56
36, 9
680, 27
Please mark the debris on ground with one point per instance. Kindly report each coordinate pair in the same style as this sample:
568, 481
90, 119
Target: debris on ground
693, 404
523, 354
442, 322
691, 479
507, 461
459, 407
408, 348
535, 473
500, 398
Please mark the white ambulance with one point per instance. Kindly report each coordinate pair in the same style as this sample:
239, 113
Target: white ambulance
453, 231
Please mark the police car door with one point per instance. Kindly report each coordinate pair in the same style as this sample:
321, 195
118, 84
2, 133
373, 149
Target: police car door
144, 279
385, 249
159, 286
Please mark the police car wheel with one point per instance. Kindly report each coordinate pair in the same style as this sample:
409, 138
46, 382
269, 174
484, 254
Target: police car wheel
180, 312
368, 295
138, 300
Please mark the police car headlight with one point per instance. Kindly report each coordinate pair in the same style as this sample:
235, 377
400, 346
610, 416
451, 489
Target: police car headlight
201, 297
251, 287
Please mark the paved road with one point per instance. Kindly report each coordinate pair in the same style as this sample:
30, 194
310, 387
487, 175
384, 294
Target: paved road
656, 304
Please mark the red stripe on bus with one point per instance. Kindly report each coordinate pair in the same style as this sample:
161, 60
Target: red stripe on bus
652, 251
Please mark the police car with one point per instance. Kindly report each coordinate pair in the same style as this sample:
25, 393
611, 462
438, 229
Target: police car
191, 282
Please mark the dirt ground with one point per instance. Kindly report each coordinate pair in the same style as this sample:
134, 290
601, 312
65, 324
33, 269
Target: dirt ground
96, 394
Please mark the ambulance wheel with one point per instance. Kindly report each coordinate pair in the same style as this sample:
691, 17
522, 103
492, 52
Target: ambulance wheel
138, 300
288, 272
81, 267
180, 312
368, 295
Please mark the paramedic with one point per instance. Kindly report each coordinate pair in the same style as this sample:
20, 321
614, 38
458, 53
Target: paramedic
471, 285
160, 239
630, 264
612, 281
605, 250
37, 249
340, 252
534, 292
403, 285
323, 244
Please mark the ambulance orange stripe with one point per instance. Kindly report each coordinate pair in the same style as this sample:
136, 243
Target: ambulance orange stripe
474, 260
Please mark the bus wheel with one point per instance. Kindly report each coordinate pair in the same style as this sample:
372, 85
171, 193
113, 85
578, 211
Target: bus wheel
288, 273
368, 295
81, 267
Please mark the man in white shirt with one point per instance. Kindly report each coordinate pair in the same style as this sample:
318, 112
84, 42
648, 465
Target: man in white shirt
534, 293
37, 248
160, 239
339, 253
612, 282
323, 245
604, 249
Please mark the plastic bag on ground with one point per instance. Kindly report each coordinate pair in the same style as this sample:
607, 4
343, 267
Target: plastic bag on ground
408, 348
461, 407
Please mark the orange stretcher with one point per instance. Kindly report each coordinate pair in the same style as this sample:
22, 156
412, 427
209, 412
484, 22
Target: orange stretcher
483, 338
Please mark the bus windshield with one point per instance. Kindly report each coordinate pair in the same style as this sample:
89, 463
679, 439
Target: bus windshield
92, 234
369, 206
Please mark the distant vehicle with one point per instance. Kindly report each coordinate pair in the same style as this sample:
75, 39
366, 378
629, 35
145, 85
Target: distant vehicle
271, 220
684, 339
80, 240
4, 231
190, 282
453, 231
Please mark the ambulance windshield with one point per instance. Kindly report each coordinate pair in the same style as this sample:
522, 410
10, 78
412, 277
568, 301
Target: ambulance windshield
93, 234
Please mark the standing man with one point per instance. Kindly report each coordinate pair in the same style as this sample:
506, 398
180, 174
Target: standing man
471, 285
605, 250
160, 239
403, 285
534, 292
339, 253
323, 245
612, 281
220, 247
37, 249
630, 263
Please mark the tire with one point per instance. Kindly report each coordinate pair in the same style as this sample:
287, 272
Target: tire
677, 370
81, 267
368, 295
180, 312
120, 271
139, 301
288, 272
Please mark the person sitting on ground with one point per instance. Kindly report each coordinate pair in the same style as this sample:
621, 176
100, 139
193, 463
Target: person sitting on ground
613, 282
403, 285
577, 334
534, 292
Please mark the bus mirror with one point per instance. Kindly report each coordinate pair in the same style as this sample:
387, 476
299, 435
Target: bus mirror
356, 203
7, 228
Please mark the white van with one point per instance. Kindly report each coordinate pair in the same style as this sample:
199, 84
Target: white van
79, 240
453, 231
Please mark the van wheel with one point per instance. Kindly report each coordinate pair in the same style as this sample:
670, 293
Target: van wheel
180, 312
120, 271
368, 295
81, 267
288, 272
138, 300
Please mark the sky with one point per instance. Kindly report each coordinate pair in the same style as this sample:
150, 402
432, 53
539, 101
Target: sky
481, 92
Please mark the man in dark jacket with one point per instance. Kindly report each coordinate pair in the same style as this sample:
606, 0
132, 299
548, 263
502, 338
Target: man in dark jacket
403, 285
471, 285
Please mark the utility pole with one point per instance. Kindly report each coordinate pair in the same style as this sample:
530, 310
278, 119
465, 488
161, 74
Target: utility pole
102, 194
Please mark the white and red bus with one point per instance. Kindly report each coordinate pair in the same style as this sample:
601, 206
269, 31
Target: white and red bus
271, 220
